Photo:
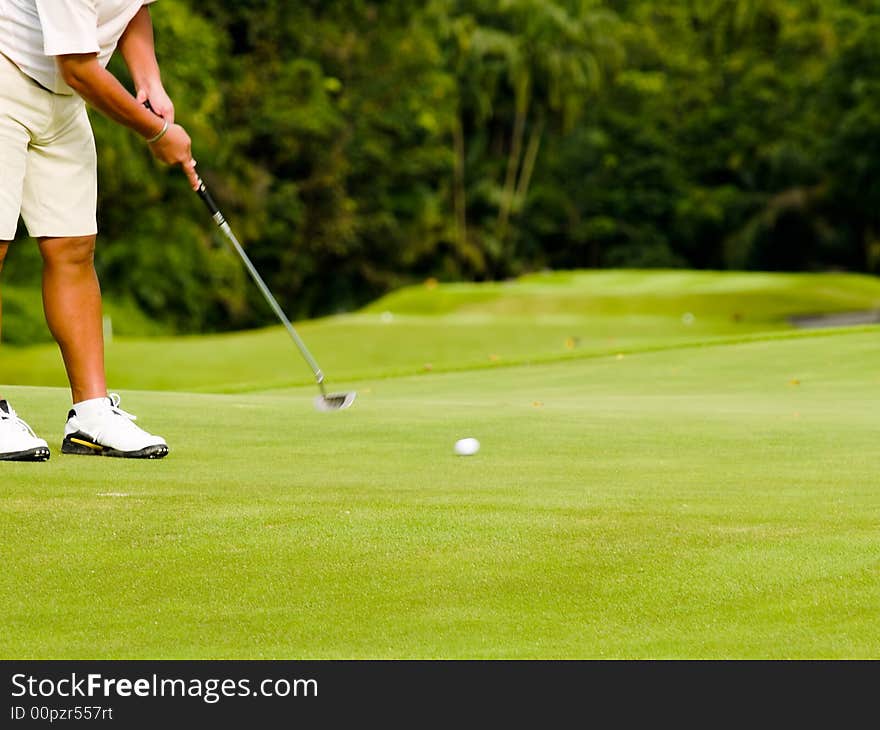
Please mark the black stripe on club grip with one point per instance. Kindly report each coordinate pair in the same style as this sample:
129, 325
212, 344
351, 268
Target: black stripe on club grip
208, 200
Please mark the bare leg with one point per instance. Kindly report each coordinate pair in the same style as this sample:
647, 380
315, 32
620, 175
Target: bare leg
72, 303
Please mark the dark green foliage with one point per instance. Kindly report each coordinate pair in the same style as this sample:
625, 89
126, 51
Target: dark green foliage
356, 146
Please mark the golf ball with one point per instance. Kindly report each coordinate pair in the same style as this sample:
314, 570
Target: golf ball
467, 447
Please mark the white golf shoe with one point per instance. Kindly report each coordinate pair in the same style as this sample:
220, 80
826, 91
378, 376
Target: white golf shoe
101, 428
18, 442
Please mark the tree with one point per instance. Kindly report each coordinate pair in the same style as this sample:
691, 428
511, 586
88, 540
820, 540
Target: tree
518, 64
850, 104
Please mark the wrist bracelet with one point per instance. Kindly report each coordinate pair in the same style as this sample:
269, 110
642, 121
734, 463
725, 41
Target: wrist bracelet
160, 135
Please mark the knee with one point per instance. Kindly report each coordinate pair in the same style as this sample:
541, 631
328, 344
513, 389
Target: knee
74, 251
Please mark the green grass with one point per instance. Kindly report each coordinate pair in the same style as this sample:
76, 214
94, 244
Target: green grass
698, 496
539, 318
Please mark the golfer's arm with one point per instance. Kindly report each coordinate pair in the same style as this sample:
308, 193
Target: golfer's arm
138, 49
102, 90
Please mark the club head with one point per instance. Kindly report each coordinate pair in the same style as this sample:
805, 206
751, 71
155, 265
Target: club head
335, 401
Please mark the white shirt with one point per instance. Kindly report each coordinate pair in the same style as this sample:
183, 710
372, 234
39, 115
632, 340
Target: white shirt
33, 32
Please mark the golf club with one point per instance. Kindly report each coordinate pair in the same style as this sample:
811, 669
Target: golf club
325, 401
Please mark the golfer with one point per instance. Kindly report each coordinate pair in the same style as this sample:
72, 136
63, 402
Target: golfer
53, 58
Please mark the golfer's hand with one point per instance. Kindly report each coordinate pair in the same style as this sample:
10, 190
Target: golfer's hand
157, 100
175, 148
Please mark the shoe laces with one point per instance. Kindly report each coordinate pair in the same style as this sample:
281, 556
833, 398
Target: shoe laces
13, 418
114, 406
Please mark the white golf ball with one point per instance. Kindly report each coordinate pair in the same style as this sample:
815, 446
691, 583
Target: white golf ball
467, 447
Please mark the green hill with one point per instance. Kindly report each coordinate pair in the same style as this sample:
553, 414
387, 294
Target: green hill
434, 328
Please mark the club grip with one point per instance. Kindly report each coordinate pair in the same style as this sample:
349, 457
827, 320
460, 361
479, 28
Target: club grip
209, 202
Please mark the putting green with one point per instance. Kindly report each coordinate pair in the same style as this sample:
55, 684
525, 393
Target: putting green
711, 501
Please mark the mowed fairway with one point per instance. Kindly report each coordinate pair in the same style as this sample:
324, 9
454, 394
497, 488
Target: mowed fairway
706, 498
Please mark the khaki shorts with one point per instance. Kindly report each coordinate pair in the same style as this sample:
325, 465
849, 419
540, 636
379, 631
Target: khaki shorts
48, 167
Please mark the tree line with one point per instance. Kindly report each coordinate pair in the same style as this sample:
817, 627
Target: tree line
357, 146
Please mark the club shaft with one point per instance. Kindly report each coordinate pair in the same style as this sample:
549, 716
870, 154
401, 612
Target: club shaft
223, 225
